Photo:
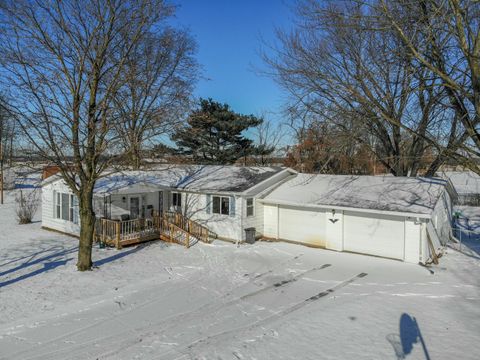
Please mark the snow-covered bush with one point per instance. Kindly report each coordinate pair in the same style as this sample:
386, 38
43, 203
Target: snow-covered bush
26, 206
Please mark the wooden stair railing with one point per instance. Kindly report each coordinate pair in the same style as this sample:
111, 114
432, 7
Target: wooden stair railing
169, 226
172, 233
199, 231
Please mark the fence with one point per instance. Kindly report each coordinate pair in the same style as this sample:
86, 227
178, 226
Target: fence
468, 240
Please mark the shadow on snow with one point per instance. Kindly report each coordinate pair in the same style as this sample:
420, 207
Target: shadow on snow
56, 258
409, 335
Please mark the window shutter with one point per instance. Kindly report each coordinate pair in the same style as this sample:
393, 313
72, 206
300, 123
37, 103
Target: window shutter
54, 204
232, 205
75, 210
209, 203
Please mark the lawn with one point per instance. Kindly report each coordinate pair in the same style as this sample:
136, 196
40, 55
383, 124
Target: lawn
260, 301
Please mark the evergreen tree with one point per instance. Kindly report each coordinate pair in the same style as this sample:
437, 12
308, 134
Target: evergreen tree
214, 134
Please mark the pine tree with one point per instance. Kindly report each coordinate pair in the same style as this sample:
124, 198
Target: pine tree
214, 134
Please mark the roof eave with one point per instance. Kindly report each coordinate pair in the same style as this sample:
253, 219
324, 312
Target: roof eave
347, 208
251, 189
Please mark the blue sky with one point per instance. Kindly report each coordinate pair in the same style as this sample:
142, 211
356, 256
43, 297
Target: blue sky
229, 35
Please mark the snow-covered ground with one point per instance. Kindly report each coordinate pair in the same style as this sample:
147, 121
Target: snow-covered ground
261, 301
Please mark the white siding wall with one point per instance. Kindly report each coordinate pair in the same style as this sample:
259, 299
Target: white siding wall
334, 230
258, 219
424, 249
225, 226
301, 225
48, 218
119, 206
442, 217
374, 234
413, 230
255, 221
270, 221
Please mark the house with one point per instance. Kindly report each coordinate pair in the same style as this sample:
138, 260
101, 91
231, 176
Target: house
395, 217
467, 186
223, 198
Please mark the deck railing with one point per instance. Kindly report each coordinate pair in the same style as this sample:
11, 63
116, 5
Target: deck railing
167, 226
197, 230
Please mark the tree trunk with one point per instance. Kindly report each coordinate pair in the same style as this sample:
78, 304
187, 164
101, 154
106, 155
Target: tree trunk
435, 165
136, 156
87, 221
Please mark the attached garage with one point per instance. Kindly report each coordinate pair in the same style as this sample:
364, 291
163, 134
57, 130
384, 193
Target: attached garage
373, 215
302, 225
374, 234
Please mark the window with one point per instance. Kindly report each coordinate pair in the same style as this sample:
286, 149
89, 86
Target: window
66, 207
250, 207
73, 209
221, 205
177, 200
58, 206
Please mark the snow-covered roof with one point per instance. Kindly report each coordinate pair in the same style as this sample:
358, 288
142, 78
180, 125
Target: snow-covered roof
464, 182
382, 193
201, 178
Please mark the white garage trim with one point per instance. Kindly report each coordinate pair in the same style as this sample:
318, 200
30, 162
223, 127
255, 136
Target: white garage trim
379, 235
343, 208
301, 225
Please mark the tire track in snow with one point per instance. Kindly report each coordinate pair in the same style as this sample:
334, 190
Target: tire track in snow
224, 305
114, 317
224, 335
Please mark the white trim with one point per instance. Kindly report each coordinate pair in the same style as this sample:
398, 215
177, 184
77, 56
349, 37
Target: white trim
261, 183
252, 206
319, 206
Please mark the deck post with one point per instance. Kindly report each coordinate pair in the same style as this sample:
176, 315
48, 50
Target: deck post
187, 244
102, 221
117, 230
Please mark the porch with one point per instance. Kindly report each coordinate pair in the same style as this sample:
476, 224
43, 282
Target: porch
166, 226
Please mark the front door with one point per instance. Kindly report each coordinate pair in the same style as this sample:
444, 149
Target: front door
134, 207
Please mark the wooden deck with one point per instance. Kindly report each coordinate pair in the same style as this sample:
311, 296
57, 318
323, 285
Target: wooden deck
166, 226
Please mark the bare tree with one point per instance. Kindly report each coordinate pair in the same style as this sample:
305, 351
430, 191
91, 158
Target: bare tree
26, 206
267, 138
347, 74
65, 61
443, 36
159, 78
7, 134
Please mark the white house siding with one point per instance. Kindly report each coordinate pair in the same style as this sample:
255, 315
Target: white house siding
300, 225
374, 234
228, 227
442, 217
270, 221
48, 219
258, 218
334, 230
413, 240
255, 221
119, 206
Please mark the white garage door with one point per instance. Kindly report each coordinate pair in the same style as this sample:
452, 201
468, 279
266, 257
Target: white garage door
373, 234
300, 225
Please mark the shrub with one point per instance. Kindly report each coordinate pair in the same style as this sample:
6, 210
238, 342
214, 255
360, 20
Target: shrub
26, 206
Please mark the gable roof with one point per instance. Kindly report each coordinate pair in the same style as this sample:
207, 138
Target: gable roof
380, 193
196, 178
464, 182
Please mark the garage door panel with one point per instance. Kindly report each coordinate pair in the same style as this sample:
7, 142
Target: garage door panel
374, 234
301, 225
